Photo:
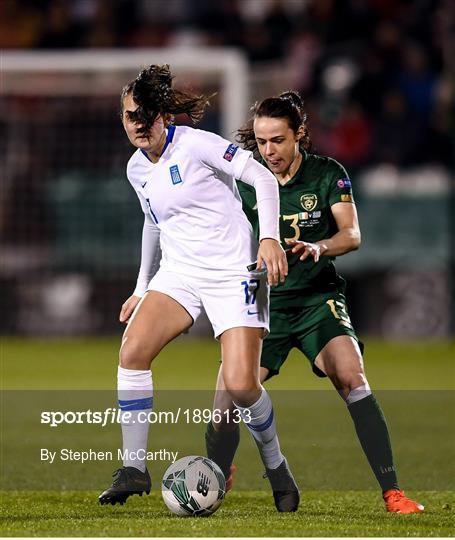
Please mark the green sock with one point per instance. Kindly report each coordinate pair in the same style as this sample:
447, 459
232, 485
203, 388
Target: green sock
221, 446
373, 434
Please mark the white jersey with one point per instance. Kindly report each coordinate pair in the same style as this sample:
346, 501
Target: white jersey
192, 198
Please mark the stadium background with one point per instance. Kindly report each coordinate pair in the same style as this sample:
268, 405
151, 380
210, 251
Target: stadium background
376, 76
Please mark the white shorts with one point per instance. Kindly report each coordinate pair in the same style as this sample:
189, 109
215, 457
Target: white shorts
229, 303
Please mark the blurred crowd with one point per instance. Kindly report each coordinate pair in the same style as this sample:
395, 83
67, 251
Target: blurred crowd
375, 74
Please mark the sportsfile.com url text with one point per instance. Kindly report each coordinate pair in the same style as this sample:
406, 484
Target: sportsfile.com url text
117, 416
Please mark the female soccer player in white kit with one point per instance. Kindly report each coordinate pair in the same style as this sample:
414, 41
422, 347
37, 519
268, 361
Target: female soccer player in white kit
185, 181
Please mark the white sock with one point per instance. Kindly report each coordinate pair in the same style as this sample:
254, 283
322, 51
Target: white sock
259, 420
135, 395
356, 394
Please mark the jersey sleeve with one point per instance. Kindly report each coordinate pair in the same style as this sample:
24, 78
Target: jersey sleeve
340, 186
150, 250
220, 154
267, 197
143, 202
249, 205
150, 256
134, 180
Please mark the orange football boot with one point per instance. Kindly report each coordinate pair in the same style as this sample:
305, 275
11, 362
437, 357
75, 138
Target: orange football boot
396, 501
230, 478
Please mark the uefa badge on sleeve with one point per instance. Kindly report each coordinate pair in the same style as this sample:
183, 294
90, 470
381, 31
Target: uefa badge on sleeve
230, 152
344, 183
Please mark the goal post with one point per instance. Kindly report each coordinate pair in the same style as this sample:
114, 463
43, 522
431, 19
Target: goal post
104, 72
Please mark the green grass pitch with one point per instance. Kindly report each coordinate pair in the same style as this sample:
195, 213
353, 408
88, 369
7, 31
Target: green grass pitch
328, 513
339, 496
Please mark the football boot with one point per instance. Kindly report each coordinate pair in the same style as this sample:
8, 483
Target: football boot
285, 491
127, 481
396, 501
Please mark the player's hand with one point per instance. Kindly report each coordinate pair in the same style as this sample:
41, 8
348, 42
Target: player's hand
272, 254
128, 307
305, 249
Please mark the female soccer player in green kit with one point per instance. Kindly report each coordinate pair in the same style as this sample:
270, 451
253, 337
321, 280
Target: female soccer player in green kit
318, 222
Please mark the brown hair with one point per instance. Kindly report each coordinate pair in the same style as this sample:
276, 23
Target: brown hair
152, 91
289, 105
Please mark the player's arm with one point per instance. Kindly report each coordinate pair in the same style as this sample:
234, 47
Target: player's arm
345, 240
268, 203
150, 261
237, 163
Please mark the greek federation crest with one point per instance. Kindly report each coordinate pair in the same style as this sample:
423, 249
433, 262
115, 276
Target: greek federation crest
309, 201
175, 175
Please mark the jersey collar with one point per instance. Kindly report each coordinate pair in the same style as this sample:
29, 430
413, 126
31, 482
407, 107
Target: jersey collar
169, 138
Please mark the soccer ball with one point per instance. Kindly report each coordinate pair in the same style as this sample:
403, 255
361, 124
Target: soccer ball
193, 486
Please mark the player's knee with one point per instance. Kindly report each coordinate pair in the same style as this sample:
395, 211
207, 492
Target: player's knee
243, 390
347, 376
242, 382
134, 354
354, 387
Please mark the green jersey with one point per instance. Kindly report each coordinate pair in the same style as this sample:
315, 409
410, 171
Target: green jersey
305, 214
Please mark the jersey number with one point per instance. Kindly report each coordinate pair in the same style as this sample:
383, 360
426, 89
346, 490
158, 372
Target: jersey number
250, 288
293, 218
338, 310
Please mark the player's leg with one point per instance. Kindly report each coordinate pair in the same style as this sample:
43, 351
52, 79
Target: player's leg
140, 346
239, 378
342, 361
156, 321
222, 435
222, 438
234, 306
335, 351
241, 349
328, 339
239, 312
275, 350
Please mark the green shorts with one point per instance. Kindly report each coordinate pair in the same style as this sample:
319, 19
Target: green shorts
308, 329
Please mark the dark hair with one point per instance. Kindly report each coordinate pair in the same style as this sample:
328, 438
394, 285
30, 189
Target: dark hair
152, 91
288, 105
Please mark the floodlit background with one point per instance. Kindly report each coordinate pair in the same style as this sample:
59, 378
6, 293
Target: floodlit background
376, 78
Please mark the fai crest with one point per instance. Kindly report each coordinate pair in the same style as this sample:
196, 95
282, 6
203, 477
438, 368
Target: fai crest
309, 201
